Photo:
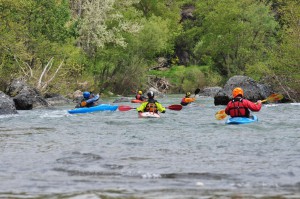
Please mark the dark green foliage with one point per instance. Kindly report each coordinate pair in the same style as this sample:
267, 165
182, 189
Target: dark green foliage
112, 46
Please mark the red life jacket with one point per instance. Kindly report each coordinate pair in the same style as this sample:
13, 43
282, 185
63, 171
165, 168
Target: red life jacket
238, 109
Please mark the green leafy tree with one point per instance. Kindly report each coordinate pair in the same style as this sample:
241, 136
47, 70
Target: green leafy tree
285, 61
234, 33
35, 40
102, 24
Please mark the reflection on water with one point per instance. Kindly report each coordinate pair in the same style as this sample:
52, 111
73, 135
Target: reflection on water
183, 154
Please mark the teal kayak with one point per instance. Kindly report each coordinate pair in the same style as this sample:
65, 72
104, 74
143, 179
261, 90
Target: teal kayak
101, 107
242, 120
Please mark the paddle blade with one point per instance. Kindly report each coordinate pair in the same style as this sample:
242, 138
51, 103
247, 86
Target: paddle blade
275, 97
197, 91
125, 108
175, 107
220, 115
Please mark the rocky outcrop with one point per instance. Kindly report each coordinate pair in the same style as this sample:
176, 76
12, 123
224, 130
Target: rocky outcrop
56, 99
210, 91
253, 91
24, 96
7, 105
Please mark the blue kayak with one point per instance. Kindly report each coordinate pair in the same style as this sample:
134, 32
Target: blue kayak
101, 107
242, 120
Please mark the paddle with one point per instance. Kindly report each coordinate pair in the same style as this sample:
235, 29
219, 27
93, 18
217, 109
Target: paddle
174, 107
273, 98
220, 115
197, 91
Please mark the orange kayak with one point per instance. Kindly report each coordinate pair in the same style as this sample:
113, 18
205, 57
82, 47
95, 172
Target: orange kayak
137, 101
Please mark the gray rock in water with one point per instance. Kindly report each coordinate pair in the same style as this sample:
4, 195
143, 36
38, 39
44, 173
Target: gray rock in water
7, 105
25, 97
253, 91
210, 91
56, 99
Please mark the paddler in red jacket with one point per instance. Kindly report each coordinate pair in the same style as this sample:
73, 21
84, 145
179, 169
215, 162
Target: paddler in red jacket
239, 107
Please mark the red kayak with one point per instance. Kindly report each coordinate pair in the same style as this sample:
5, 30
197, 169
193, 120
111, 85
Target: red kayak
137, 101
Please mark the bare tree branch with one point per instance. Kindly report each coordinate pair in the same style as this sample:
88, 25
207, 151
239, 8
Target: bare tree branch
58, 68
39, 84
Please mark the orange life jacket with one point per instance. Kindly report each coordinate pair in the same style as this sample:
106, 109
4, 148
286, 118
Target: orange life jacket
151, 107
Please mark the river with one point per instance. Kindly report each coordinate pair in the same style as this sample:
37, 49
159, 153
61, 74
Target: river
48, 153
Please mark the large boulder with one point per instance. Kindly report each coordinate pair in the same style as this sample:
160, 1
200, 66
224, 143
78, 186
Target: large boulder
7, 105
253, 91
210, 91
24, 96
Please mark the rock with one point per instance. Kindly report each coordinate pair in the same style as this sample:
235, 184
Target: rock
56, 99
7, 105
24, 96
77, 94
210, 91
253, 91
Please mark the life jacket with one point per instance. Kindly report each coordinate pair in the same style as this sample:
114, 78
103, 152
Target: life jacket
151, 107
183, 103
237, 108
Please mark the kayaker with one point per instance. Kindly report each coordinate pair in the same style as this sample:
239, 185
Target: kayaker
139, 96
89, 100
151, 105
239, 107
187, 99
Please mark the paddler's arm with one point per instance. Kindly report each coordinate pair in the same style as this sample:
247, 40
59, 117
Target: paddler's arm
89, 101
92, 99
253, 106
142, 107
160, 108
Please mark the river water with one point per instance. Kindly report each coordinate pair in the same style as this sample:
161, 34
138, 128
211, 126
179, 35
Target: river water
48, 153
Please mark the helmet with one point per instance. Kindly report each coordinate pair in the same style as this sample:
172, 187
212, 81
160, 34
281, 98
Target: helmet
86, 94
150, 94
237, 91
140, 92
188, 94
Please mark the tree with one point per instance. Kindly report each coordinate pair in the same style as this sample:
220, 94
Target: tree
102, 23
285, 62
235, 33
